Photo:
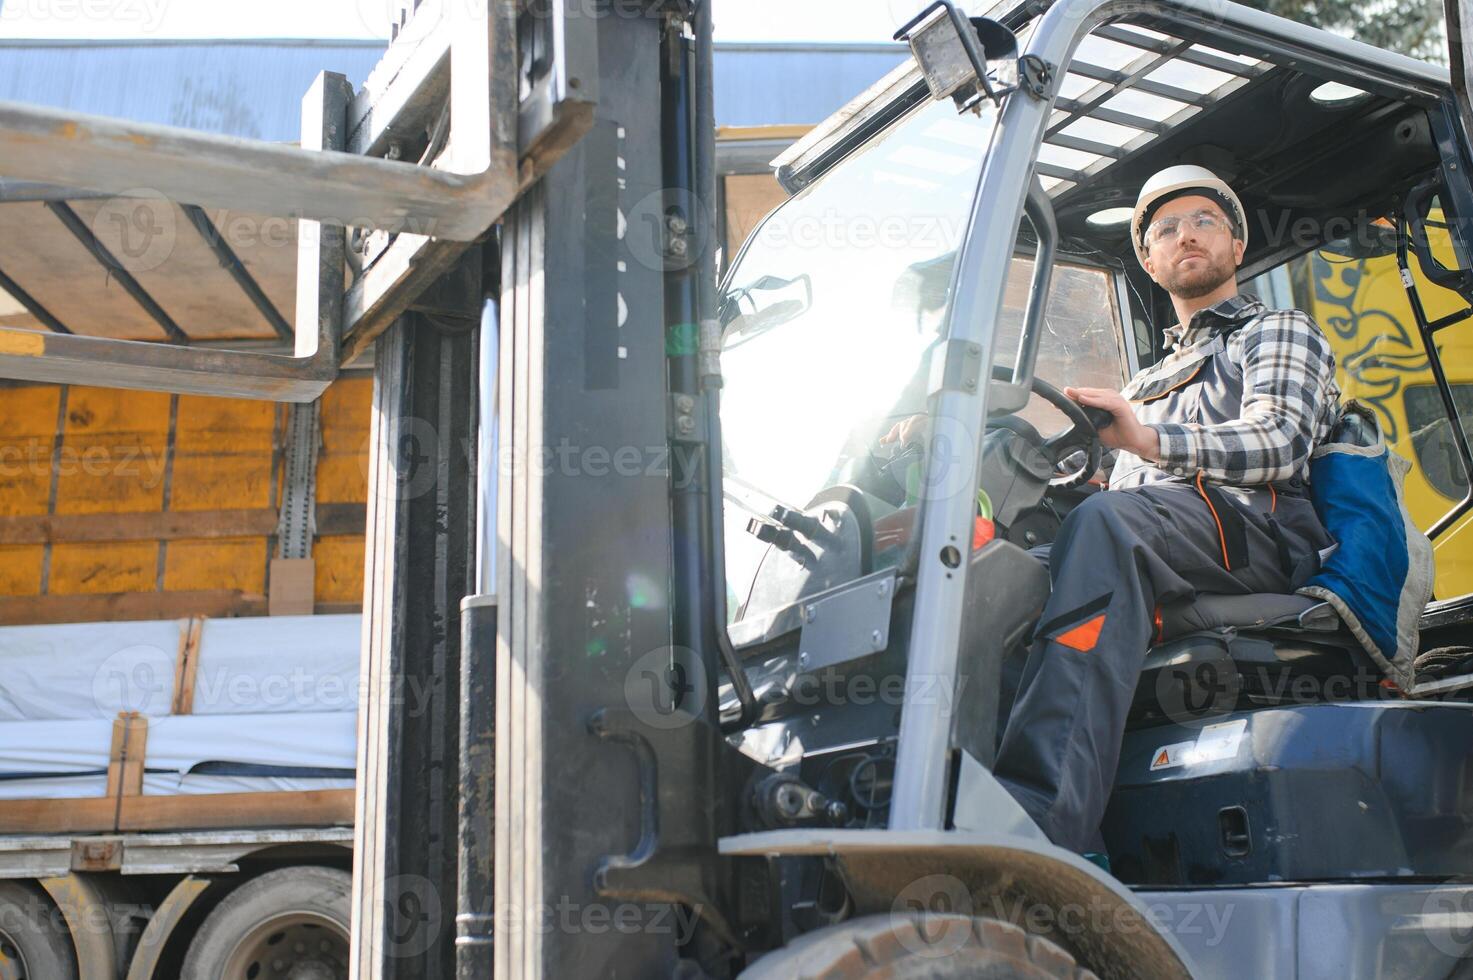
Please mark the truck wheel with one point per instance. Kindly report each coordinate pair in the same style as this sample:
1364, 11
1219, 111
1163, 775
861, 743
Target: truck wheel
34, 941
918, 947
288, 924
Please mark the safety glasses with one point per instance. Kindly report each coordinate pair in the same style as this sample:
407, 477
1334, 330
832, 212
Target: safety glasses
1203, 222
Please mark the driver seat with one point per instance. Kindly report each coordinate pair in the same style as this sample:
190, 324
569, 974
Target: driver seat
1216, 653
1255, 611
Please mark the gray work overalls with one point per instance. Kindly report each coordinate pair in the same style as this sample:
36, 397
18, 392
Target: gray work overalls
1154, 538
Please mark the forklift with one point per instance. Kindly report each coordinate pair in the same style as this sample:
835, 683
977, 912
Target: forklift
716, 669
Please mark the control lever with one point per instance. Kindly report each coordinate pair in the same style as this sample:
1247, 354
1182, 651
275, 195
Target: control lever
782, 538
808, 526
1098, 417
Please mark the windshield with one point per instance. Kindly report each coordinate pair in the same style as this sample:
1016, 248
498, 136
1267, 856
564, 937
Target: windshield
830, 314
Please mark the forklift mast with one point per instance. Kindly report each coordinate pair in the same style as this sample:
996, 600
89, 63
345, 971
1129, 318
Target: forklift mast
606, 732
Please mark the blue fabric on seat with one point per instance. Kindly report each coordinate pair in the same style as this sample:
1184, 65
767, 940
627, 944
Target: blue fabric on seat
1379, 578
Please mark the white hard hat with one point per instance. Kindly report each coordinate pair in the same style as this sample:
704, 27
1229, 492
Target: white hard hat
1179, 181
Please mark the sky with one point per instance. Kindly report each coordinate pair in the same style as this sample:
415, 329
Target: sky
735, 20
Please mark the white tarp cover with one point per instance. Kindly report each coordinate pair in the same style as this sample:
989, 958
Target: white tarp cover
66, 759
246, 666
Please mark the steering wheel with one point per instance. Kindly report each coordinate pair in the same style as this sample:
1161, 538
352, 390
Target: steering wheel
1083, 432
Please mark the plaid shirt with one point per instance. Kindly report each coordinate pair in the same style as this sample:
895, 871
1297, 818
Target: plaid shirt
1288, 405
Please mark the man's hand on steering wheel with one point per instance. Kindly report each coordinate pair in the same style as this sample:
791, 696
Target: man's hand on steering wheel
908, 431
1124, 431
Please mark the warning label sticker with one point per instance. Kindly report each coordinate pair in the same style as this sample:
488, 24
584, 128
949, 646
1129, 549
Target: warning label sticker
1219, 741
1213, 743
1171, 756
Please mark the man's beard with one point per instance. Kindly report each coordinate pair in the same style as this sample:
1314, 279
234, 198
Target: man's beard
1192, 283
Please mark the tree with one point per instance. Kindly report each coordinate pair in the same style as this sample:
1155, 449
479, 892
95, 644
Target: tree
1411, 27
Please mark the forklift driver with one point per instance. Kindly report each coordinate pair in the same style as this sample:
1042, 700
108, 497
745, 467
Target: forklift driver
1209, 495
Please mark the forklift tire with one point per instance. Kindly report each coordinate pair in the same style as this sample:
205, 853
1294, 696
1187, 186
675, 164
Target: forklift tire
918, 947
35, 943
287, 922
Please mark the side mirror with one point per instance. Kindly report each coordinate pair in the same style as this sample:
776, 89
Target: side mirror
966, 58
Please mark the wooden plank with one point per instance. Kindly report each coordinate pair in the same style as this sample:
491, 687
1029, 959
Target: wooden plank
13, 313
77, 816
339, 569
158, 245
23, 321
20, 568
233, 564
135, 751
269, 253
309, 808
90, 569
332, 519
125, 757
222, 454
114, 451
47, 261
342, 460
20, 308
186, 666
115, 755
121, 606
157, 526
27, 438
